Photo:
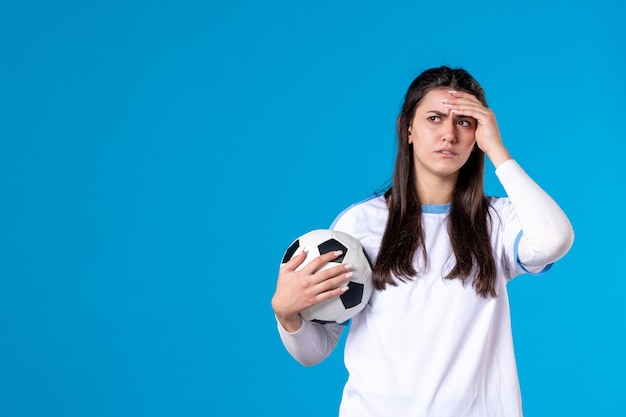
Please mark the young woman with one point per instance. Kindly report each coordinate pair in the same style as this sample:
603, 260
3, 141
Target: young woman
435, 339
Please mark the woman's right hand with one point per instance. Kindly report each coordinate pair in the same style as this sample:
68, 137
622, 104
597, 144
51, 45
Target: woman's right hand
299, 290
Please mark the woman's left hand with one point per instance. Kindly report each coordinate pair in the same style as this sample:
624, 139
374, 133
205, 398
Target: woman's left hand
487, 134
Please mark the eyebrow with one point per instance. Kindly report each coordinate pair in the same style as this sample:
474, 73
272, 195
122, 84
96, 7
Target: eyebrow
438, 113
442, 114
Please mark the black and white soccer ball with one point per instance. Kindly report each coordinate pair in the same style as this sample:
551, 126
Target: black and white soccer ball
337, 309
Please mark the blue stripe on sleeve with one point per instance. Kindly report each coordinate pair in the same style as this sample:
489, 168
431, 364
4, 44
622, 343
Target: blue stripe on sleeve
516, 249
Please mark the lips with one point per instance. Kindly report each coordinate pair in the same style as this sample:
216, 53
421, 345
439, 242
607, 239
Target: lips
445, 152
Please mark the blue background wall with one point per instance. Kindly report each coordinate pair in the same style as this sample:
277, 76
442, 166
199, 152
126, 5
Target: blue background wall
156, 158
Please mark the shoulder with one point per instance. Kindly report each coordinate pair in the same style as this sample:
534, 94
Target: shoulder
366, 208
501, 207
365, 221
505, 224
371, 211
497, 203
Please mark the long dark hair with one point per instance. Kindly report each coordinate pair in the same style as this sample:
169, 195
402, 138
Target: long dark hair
468, 224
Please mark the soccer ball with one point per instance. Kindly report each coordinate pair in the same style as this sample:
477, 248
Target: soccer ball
337, 309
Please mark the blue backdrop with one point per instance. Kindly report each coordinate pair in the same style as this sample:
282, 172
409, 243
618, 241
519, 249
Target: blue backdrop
156, 158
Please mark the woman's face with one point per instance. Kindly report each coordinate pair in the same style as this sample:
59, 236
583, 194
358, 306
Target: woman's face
442, 141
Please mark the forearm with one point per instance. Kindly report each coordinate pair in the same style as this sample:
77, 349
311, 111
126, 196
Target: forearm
547, 232
312, 342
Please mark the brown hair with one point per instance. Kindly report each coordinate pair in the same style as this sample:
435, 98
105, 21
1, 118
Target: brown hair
469, 211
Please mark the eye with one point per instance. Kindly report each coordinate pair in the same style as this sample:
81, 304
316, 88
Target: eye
434, 119
464, 123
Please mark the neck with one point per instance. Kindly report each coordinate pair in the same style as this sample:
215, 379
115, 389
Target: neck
435, 190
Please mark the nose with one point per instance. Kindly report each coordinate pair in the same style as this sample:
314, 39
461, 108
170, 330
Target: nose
449, 131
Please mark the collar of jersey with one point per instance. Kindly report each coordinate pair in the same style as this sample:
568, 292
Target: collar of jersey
436, 208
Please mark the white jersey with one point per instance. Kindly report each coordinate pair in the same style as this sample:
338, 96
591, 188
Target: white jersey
432, 346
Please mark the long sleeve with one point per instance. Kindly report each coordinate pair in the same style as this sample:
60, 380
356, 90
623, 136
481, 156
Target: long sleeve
312, 342
547, 232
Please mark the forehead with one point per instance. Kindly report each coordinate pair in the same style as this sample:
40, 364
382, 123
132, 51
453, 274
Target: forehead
432, 99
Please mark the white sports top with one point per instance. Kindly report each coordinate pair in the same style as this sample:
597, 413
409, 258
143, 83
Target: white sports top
432, 347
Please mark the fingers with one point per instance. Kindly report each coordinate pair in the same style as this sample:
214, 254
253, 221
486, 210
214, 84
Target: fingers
487, 134
332, 277
330, 283
464, 96
465, 104
320, 261
298, 289
327, 279
298, 257
314, 272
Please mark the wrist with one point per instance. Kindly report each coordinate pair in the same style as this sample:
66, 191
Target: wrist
499, 156
290, 323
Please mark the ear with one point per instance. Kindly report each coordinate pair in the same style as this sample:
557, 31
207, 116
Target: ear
410, 137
